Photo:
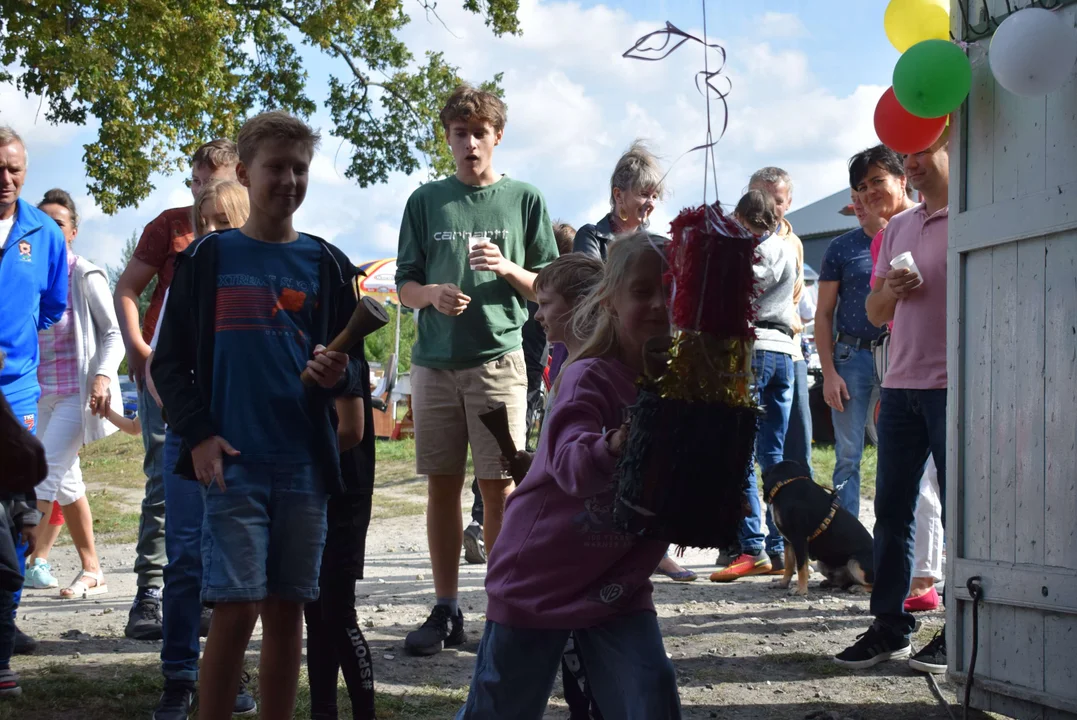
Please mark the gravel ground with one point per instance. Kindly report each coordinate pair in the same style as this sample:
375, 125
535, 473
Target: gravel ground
744, 650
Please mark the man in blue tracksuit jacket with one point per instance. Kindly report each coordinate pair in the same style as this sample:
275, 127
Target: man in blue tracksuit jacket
33, 275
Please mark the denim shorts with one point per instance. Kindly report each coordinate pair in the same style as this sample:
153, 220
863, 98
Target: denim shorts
264, 534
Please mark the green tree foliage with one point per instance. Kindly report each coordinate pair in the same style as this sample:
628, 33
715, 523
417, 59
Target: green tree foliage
164, 76
379, 345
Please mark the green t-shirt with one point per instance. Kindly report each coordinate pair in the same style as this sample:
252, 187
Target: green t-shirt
440, 222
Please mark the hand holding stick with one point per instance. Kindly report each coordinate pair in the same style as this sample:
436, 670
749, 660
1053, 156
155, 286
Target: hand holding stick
496, 420
369, 316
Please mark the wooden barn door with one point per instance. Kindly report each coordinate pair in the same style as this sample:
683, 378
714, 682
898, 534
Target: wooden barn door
1012, 366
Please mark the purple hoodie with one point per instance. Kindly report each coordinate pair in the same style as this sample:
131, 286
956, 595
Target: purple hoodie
559, 562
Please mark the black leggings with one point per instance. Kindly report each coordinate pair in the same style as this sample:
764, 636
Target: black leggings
335, 642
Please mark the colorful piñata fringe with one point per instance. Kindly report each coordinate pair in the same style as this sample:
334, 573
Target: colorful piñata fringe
689, 452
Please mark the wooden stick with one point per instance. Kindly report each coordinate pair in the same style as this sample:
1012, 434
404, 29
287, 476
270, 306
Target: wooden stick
369, 316
496, 420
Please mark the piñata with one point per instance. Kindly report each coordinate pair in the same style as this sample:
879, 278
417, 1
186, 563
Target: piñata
688, 456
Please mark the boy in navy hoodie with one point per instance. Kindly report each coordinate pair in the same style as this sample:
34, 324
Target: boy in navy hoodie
250, 309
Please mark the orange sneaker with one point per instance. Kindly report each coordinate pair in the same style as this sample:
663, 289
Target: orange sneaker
744, 566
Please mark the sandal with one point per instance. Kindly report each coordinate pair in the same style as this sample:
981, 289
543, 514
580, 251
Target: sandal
678, 576
79, 590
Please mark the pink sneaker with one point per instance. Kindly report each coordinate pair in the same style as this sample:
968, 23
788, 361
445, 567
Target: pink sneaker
923, 603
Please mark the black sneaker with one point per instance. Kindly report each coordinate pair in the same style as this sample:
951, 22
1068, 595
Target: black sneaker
474, 545
873, 647
24, 644
932, 657
245, 704
777, 563
441, 630
144, 620
175, 702
9, 683
203, 622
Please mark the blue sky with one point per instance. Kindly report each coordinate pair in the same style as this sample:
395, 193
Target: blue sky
805, 79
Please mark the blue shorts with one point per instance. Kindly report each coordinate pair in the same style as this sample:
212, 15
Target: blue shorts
264, 534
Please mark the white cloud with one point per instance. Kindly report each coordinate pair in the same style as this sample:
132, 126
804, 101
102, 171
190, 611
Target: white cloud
26, 115
781, 25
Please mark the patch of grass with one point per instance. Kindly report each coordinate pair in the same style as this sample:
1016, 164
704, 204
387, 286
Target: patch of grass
823, 460
126, 690
115, 461
387, 506
114, 521
396, 451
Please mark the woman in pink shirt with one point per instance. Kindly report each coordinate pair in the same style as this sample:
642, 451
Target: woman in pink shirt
80, 356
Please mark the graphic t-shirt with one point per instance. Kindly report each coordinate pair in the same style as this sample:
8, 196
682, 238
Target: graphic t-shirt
266, 293
441, 221
847, 261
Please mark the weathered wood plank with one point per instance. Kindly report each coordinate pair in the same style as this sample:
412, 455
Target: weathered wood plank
1061, 141
1060, 399
976, 379
1060, 655
1020, 144
979, 170
1027, 652
1003, 638
1003, 391
1028, 586
1029, 433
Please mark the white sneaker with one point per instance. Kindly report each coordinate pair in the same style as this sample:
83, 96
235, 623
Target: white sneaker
39, 576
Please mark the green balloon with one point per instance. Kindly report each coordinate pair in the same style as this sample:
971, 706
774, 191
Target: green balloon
932, 78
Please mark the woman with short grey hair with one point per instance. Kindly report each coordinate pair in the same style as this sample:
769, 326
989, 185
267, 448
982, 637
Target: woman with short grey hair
636, 186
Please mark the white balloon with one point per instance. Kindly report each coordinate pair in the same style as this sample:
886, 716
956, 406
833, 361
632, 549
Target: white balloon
1033, 52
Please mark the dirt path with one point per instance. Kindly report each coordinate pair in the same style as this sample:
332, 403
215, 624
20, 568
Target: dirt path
742, 651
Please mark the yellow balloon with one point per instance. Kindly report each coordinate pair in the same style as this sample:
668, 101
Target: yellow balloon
908, 22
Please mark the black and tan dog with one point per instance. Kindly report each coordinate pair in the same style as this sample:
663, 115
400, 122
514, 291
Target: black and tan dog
814, 527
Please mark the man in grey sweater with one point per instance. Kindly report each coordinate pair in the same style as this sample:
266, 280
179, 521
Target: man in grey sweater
772, 368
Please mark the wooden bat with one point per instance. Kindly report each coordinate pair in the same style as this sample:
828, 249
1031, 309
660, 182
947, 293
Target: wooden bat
496, 420
368, 317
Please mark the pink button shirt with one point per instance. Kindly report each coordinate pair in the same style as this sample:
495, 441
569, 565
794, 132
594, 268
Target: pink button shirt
58, 371
918, 340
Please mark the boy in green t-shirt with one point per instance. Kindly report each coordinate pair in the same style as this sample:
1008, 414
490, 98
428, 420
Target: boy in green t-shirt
470, 246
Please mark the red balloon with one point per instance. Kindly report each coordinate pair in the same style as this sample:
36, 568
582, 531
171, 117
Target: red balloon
903, 132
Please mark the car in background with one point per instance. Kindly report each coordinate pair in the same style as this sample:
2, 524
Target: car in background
129, 393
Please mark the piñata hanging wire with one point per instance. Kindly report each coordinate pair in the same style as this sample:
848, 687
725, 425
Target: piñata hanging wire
684, 474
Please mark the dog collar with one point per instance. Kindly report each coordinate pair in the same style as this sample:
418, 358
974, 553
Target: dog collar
774, 490
826, 523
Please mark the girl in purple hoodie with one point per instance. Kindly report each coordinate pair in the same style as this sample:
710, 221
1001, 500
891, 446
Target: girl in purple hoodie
560, 565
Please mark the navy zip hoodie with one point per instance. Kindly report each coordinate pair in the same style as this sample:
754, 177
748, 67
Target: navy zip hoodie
183, 363
33, 294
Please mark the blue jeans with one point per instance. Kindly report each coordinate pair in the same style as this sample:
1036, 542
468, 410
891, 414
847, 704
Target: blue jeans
628, 671
182, 594
773, 372
150, 554
857, 369
264, 533
912, 425
798, 437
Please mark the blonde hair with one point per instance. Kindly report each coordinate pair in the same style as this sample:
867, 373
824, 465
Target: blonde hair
232, 196
594, 318
274, 125
637, 170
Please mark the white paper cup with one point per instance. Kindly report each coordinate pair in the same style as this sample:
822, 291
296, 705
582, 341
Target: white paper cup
904, 261
472, 243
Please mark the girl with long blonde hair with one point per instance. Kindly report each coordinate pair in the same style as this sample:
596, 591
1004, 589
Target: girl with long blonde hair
560, 564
